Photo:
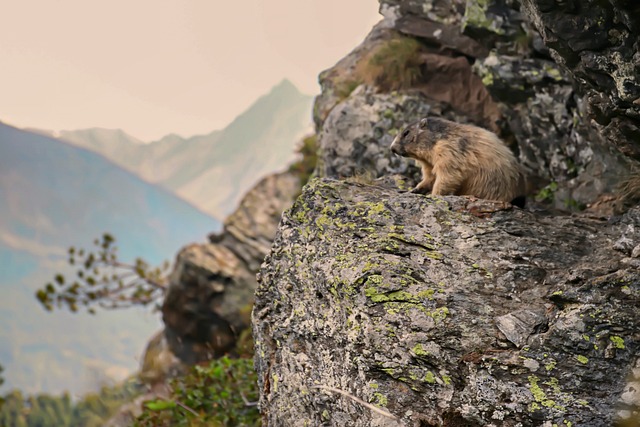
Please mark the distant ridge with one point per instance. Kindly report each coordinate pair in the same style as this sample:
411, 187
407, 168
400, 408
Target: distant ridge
56, 195
214, 170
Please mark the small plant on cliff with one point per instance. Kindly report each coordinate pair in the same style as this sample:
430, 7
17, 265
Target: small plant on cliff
308, 157
547, 194
394, 65
223, 393
343, 88
102, 280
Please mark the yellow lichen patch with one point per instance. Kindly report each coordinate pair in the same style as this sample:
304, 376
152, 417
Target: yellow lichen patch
617, 341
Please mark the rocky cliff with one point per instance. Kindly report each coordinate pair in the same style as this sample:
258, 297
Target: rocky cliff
446, 311
378, 307
208, 302
485, 63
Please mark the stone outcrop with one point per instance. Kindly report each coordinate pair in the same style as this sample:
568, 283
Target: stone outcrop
356, 136
486, 63
446, 311
597, 43
208, 302
377, 307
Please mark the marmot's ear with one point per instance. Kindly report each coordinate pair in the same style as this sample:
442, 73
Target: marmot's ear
423, 123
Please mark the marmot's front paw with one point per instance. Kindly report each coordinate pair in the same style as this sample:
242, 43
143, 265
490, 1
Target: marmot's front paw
420, 190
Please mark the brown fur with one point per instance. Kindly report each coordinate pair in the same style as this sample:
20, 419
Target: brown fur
461, 160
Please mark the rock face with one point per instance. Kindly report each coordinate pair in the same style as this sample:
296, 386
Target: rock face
485, 63
356, 136
446, 311
597, 43
452, 311
209, 299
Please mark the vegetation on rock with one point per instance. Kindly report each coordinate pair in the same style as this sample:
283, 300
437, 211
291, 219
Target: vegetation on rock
222, 393
394, 65
45, 410
307, 151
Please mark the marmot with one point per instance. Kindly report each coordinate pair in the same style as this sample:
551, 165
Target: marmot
461, 160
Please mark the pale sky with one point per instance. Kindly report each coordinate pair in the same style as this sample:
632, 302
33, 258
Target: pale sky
154, 67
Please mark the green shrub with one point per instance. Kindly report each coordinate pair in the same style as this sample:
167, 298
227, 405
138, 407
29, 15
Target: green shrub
547, 194
44, 410
306, 164
224, 393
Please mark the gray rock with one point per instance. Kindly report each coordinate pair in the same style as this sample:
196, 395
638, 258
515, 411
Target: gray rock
356, 135
520, 325
211, 286
402, 300
529, 100
598, 44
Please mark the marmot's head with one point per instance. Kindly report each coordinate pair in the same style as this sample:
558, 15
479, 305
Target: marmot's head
417, 139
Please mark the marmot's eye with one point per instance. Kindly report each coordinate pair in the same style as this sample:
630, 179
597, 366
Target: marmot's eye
405, 133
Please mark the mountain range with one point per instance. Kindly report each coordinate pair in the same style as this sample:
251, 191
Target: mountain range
65, 189
212, 171
56, 195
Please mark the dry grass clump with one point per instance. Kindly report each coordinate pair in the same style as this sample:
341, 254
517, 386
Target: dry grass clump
394, 65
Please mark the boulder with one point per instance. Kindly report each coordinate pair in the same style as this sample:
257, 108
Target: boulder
486, 63
208, 301
445, 311
597, 43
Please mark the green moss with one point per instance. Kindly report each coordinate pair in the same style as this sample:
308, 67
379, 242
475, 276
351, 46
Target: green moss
553, 383
446, 379
439, 314
475, 15
553, 72
617, 341
550, 366
300, 216
547, 194
435, 255
427, 293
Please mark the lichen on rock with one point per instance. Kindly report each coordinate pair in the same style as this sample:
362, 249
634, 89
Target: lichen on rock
211, 287
365, 285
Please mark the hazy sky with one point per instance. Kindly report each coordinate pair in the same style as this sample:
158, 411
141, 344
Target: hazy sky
153, 67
